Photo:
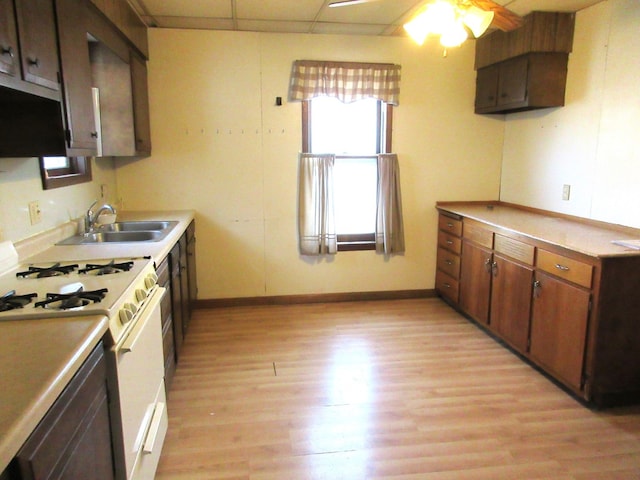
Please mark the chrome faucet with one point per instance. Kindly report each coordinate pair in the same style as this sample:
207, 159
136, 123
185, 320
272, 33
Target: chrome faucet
91, 218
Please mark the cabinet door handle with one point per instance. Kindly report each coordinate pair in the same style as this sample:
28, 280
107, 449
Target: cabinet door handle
94, 134
562, 268
8, 51
494, 269
537, 286
487, 265
34, 62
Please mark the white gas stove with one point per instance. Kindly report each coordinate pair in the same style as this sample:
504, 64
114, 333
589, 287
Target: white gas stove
115, 288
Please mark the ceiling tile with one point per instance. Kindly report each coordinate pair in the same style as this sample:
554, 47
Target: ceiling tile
194, 23
274, 26
299, 10
187, 8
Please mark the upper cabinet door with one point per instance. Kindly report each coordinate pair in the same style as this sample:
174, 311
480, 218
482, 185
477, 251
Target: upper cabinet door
38, 42
81, 133
140, 105
8, 39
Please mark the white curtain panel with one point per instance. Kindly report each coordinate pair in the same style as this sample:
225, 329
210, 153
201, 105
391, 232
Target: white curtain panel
389, 224
316, 221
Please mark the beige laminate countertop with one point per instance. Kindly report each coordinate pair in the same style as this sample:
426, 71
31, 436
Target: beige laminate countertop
591, 240
156, 250
38, 358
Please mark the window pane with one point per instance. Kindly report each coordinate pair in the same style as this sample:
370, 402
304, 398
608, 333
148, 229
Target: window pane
342, 128
52, 163
355, 182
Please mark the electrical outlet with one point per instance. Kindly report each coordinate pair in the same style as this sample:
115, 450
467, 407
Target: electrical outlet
566, 192
34, 212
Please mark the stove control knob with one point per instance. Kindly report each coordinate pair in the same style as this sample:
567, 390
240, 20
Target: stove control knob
141, 294
150, 280
126, 313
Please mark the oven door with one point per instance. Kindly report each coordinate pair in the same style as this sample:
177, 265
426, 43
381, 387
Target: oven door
139, 368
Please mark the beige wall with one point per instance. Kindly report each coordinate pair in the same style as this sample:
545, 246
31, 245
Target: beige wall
20, 184
592, 143
222, 147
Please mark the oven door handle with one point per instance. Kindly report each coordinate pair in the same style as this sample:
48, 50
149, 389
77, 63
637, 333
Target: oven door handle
141, 320
154, 428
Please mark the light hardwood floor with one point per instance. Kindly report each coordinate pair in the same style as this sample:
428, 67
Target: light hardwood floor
403, 389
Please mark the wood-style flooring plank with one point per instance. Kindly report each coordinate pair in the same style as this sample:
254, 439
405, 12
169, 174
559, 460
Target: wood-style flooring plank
403, 389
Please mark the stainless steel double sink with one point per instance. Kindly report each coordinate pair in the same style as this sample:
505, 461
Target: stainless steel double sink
124, 232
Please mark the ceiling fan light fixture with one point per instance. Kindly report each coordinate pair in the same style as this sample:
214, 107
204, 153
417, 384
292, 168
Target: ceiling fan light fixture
477, 20
440, 17
454, 36
418, 27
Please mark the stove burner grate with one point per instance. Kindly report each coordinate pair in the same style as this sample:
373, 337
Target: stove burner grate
107, 268
53, 271
11, 301
65, 301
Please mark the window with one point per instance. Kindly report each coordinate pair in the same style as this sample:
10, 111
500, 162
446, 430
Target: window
63, 171
356, 132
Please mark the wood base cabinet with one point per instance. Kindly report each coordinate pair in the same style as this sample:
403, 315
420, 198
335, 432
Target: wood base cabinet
555, 289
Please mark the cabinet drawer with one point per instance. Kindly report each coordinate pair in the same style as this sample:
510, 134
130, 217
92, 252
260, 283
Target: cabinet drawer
451, 225
447, 286
449, 263
449, 242
477, 232
563, 267
514, 249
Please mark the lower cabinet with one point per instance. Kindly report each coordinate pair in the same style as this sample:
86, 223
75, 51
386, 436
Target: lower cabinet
559, 328
511, 301
73, 440
475, 286
572, 314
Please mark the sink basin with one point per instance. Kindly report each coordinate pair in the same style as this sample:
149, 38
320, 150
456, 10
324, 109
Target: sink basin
136, 226
124, 232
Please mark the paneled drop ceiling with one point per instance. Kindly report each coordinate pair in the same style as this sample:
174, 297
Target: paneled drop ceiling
380, 17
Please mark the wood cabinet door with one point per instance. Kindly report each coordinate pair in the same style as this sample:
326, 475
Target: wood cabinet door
38, 42
140, 93
73, 440
81, 131
559, 327
475, 281
487, 87
8, 39
511, 289
512, 84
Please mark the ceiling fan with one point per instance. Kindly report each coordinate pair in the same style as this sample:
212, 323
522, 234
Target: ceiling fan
501, 17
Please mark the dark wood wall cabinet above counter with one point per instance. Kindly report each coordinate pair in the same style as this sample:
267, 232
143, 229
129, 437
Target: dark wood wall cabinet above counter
47, 75
524, 69
554, 288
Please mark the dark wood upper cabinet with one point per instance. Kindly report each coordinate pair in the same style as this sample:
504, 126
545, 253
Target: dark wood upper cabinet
141, 125
528, 82
38, 42
524, 69
80, 131
8, 39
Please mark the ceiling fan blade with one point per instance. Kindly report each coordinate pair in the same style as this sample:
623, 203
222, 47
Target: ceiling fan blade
504, 19
346, 3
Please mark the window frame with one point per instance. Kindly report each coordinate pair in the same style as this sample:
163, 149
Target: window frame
78, 171
352, 242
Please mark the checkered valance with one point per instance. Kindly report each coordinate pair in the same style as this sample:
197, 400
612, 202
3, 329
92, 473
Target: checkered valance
347, 82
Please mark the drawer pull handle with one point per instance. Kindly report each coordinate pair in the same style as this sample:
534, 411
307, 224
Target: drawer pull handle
446, 285
448, 262
450, 225
449, 242
562, 268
